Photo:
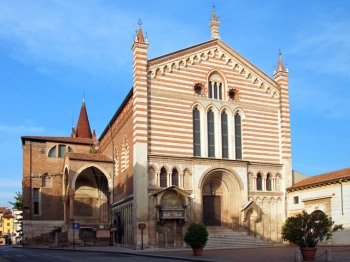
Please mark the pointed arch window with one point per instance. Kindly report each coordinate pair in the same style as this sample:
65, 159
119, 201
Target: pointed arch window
196, 133
211, 134
163, 178
268, 182
224, 135
175, 177
259, 182
238, 136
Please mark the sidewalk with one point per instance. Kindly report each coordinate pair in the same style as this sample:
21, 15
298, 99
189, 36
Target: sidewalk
282, 253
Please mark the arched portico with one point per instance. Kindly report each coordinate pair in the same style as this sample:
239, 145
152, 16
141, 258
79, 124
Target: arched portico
221, 197
89, 192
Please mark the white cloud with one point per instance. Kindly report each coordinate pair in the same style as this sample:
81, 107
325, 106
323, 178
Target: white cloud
326, 50
22, 129
65, 33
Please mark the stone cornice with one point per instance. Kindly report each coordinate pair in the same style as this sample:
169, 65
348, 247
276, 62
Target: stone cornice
197, 161
264, 194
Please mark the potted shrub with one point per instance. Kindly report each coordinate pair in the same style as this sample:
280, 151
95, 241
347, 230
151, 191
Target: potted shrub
196, 237
306, 230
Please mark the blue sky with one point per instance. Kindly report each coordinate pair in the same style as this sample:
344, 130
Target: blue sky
51, 52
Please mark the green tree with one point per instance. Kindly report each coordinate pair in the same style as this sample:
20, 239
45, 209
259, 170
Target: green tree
18, 204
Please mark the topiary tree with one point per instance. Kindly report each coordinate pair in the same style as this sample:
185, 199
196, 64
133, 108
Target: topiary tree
196, 235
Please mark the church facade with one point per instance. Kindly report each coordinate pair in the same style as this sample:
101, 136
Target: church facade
203, 136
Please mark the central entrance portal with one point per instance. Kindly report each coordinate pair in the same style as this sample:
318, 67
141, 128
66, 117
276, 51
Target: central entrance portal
212, 210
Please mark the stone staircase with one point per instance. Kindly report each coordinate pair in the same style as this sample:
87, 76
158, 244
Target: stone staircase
223, 237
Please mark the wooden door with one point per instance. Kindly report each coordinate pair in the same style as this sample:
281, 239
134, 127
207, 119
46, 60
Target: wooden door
212, 210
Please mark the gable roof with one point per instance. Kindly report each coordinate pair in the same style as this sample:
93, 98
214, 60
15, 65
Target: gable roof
89, 157
322, 179
205, 49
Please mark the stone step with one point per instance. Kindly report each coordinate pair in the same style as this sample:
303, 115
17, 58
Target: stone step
220, 237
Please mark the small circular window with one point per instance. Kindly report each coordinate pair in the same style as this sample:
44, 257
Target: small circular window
198, 89
232, 94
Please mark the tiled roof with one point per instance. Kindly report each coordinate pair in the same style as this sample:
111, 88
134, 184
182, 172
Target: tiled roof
59, 139
7, 214
3, 209
323, 178
83, 127
89, 157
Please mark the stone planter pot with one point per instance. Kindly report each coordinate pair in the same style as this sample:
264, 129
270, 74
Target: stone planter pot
197, 251
308, 253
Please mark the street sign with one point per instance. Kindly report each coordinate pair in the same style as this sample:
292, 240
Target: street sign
76, 226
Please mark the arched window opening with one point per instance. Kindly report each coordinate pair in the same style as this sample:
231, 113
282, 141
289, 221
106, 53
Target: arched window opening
175, 177
259, 182
278, 183
224, 135
46, 180
238, 136
61, 151
268, 182
196, 133
187, 180
215, 87
125, 154
116, 163
52, 152
211, 134
163, 178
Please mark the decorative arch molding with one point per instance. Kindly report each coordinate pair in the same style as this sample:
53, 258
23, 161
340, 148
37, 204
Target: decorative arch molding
278, 175
177, 168
213, 107
200, 107
183, 195
186, 169
81, 169
171, 203
192, 56
213, 72
251, 205
166, 167
225, 109
240, 111
155, 168
262, 173
229, 177
65, 183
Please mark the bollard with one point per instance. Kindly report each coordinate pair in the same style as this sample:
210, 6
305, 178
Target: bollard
328, 255
297, 256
